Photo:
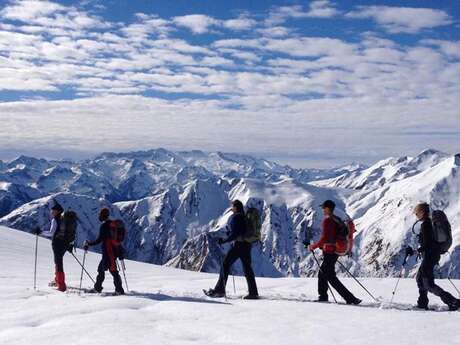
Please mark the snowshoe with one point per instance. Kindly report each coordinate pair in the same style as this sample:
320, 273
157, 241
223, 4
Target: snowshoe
213, 293
93, 290
322, 300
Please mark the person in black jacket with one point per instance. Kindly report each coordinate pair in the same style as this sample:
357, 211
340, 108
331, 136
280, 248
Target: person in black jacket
110, 253
240, 250
430, 258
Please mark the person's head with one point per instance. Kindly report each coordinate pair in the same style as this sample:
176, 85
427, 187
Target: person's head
237, 206
56, 210
104, 214
422, 211
328, 207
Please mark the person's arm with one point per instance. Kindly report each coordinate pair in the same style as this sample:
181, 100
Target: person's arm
100, 238
52, 229
328, 227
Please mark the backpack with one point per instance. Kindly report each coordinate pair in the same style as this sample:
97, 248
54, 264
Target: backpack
117, 231
253, 225
344, 236
442, 231
68, 227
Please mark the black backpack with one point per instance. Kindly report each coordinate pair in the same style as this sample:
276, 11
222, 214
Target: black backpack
442, 231
253, 225
68, 227
342, 228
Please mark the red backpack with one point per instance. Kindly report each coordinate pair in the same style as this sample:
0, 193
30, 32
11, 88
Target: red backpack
117, 232
344, 236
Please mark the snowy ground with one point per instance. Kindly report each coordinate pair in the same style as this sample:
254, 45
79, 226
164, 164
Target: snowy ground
166, 306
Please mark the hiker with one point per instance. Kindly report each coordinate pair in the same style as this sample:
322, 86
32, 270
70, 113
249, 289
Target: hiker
327, 243
60, 243
241, 249
110, 253
431, 255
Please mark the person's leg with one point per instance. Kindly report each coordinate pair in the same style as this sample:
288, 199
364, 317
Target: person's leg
335, 282
422, 284
322, 278
431, 286
229, 260
245, 256
59, 250
100, 275
117, 282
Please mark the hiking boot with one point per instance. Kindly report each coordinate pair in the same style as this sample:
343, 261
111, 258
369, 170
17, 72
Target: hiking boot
422, 306
251, 296
119, 293
214, 294
93, 290
355, 301
454, 305
322, 299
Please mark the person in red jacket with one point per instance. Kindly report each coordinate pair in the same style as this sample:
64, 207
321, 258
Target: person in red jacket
109, 254
327, 244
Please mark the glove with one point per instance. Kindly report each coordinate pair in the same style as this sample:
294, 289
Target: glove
70, 248
409, 251
85, 245
350, 254
37, 231
420, 250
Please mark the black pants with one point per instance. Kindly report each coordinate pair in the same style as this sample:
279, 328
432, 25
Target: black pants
425, 282
327, 275
104, 265
59, 249
242, 251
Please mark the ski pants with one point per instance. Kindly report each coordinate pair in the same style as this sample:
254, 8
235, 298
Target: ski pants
327, 275
59, 249
425, 281
105, 265
242, 251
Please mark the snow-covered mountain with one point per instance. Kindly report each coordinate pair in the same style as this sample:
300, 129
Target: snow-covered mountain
175, 205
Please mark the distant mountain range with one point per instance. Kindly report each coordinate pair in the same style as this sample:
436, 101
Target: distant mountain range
175, 205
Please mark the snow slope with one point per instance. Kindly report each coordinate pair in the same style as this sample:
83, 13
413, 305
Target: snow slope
166, 307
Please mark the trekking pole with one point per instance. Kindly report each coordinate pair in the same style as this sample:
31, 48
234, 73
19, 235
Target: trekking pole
222, 272
234, 286
351, 275
399, 278
83, 268
448, 275
319, 266
123, 268
35, 265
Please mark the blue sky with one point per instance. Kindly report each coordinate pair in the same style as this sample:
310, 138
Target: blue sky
309, 83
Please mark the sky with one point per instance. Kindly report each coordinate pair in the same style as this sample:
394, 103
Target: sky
308, 83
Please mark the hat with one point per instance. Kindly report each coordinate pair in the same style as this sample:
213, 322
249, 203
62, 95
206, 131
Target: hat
57, 207
328, 204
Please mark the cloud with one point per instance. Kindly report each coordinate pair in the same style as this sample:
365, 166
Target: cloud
322, 9
402, 19
316, 9
197, 23
145, 76
243, 22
